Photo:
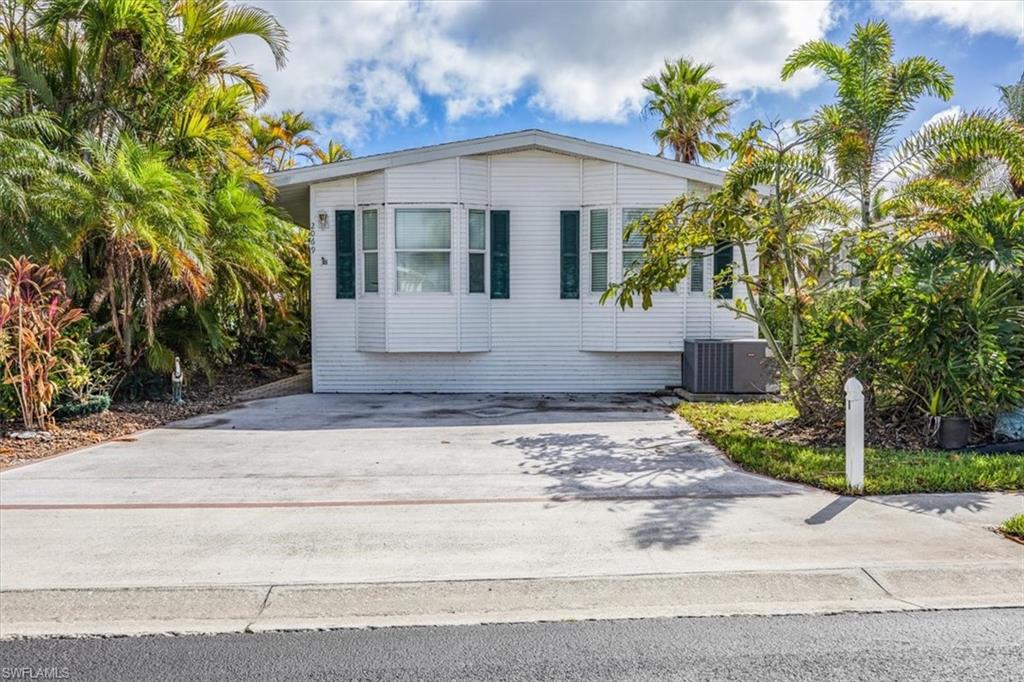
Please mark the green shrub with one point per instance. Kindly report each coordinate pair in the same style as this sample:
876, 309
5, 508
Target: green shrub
9, 408
1014, 526
946, 326
92, 405
939, 330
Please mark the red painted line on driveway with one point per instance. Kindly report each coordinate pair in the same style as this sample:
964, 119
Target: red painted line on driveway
286, 504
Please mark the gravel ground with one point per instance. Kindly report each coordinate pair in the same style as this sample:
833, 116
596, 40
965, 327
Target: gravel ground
125, 418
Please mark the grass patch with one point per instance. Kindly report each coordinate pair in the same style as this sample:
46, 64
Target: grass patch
1014, 527
730, 427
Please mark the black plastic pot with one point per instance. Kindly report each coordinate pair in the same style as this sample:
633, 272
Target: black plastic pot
954, 432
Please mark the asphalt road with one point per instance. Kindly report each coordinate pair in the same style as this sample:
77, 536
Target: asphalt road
937, 645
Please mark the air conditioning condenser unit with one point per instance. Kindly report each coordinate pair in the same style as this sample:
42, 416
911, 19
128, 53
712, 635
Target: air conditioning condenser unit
727, 366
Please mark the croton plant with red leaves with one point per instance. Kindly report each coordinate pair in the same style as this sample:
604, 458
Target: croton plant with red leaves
34, 312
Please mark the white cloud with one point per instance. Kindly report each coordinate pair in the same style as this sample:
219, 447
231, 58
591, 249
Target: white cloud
952, 112
357, 66
1002, 17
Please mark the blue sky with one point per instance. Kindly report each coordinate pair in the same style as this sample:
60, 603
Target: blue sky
385, 76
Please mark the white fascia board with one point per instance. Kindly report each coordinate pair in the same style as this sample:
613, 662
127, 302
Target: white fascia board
370, 164
508, 142
627, 157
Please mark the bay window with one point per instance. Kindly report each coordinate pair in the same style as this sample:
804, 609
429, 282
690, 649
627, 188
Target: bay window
423, 240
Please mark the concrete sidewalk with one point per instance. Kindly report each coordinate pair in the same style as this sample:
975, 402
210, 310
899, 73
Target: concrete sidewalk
421, 508
256, 608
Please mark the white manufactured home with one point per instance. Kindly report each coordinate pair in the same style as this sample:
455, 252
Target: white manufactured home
478, 266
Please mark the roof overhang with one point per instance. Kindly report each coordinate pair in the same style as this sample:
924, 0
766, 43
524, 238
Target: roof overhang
293, 184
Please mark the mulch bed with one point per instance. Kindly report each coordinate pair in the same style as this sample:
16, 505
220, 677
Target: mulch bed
892, 434
879, 433
125, 418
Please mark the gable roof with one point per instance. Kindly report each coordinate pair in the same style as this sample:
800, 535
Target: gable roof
293, 184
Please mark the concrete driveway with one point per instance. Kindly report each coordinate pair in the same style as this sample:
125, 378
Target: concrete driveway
378, 488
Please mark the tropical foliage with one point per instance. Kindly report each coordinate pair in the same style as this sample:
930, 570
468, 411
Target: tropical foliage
691, 108
132, 158
942, 327
280, 142
35, 311
883, 256
1012, 99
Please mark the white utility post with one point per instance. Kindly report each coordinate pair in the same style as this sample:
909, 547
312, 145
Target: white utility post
854, 434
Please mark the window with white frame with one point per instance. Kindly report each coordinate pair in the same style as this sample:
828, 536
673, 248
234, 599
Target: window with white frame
423, 243
371, 269
632, 248
477, 251
598, 250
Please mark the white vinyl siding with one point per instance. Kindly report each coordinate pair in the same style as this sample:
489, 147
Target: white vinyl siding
473, 181
423, 241
638, 187
371, 263
533, 342
435, 182
598, 182
371, 189
598, 251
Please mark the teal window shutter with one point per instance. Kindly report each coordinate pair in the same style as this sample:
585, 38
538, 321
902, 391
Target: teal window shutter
697, 272
570, 254
345, 253
598, 251
723, 270
500, 245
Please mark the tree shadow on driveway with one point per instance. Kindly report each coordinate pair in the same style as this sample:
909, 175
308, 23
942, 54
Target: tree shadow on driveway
939, 504
679, 483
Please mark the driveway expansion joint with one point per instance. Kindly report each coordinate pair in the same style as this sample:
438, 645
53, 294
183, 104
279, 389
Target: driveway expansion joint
883, 588
263, 606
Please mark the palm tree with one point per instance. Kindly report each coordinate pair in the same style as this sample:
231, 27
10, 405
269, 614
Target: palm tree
278, 142
207, 26
144, 221
36, 183
692, 108
103, 53
335, 151
162, 223
296, 133
1012, 99
249, 242
857, 134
